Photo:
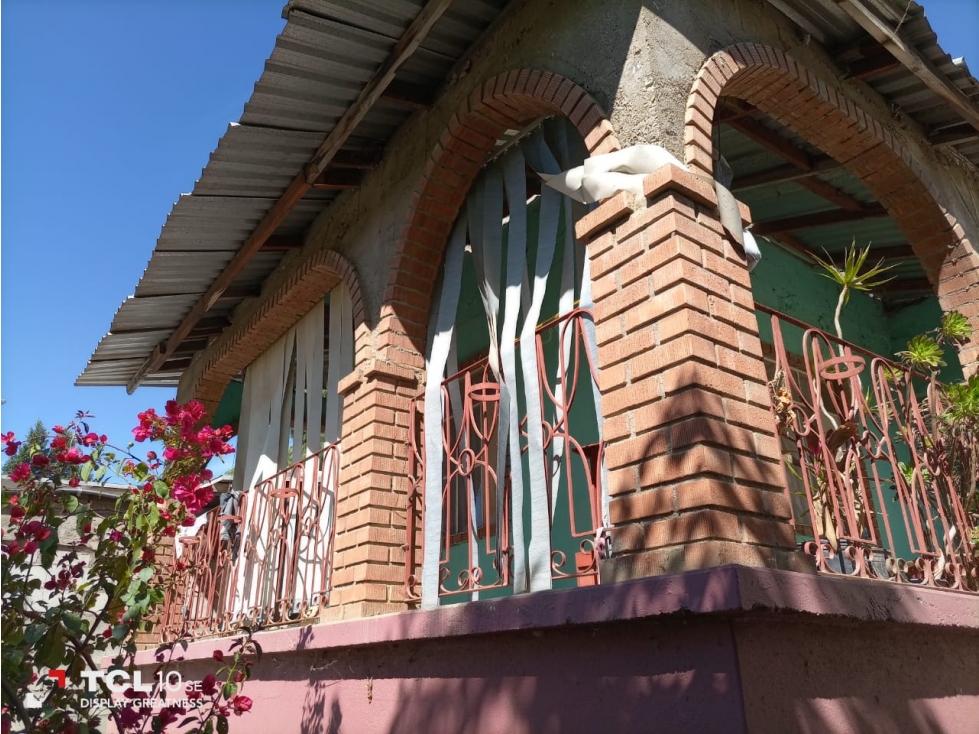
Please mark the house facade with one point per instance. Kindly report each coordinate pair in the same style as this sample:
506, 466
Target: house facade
529, 438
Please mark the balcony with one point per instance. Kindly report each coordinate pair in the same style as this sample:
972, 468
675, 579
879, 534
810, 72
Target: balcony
477, 518
877, 489
272, 569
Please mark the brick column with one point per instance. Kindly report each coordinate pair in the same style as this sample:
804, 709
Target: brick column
695, 473
369, 544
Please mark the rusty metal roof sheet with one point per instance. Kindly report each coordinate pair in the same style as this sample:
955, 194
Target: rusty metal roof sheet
324, 55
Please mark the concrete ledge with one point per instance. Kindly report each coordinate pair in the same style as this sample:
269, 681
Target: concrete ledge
728, 590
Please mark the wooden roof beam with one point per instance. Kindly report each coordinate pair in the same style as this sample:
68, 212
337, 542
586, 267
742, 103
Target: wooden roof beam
772, 141
797, 157
964, 133
409, 96
338, 180
371, 92
279, 242
783, 174
911, 58
819, 219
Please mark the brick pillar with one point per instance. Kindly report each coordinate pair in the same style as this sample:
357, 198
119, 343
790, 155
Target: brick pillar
369, 544
695, 471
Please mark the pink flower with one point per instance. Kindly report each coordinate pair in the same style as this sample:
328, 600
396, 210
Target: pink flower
29, 547
209, 685
128, 717
21, 473
151, 456
90, 439
40, 461
218, 655
75, 456
58, 429
241, 704
12, 445
59, 443
115, 536
17, 514
74, 482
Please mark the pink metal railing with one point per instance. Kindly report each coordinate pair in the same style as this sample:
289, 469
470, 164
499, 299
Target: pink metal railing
473, 526
868, 473
272, 569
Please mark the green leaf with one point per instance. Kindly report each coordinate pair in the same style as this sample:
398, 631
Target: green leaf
923, 353
120, 631
51, 650
32, 633
73, 623
222, 725
229, 690
145, 574
208, 728
955, 327
70, 502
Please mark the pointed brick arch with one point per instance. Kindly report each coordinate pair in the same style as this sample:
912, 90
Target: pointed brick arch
505, 102
785, 90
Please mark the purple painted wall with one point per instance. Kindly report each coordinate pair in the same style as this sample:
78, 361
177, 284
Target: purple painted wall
632, 677
724, 650
809, 677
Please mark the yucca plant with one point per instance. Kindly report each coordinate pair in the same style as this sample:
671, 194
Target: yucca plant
854, 275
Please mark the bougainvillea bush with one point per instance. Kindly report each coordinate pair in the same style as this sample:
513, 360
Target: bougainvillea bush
67, 604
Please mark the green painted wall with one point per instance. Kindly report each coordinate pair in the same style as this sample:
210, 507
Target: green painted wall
784, 282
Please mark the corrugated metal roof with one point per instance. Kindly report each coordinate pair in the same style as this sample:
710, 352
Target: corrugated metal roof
325, 54
905, 92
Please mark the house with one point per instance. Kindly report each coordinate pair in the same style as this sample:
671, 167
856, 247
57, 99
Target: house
528, 438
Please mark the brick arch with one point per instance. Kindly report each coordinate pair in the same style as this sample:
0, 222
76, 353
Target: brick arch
307, 286
505, 102
776, 84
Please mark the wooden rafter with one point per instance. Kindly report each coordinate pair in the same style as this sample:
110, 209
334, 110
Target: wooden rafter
964, 133
372, 90
771, 140
797, 158
338, 179
410, 96
911, 58
783, 174
820, 219
279, 242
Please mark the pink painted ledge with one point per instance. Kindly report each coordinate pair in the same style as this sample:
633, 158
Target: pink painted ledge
725, 590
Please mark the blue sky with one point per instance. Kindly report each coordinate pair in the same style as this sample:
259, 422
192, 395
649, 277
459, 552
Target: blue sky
110, 109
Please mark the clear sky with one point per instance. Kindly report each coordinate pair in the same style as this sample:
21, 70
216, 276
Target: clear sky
110, 109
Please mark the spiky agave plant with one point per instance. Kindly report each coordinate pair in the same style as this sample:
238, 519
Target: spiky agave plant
854, 275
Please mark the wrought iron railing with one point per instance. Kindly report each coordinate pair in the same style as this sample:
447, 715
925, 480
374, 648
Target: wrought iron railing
869, 474
273, 568
477, 522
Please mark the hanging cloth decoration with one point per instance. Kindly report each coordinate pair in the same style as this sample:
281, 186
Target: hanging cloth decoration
512, 303
602, 176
